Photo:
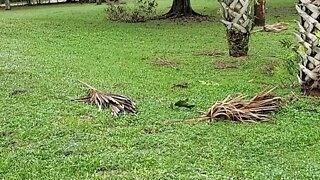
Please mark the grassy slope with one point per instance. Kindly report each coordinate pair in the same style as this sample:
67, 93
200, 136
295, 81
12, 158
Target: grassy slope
44, 135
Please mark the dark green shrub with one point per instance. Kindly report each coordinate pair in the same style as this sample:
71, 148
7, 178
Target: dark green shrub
142, 11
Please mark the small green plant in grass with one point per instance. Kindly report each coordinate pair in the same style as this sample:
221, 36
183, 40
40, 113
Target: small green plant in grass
290, 59
142, 10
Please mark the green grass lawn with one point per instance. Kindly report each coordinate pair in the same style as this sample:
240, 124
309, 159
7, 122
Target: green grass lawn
45, 50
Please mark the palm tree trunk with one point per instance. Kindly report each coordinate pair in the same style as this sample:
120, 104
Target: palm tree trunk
309, 51
7, 5
260, 13
236, 18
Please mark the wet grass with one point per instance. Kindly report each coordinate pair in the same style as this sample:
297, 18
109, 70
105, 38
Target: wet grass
45, 50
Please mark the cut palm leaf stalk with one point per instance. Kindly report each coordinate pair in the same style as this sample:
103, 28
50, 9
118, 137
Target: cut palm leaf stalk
238, 109
116, 103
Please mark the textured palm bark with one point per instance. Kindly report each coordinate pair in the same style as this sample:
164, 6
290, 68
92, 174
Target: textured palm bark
236, 16
238, 43
260, 13
308, 91
7, 5
309, 72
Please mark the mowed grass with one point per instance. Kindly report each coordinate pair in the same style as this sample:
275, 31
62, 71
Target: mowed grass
45, 50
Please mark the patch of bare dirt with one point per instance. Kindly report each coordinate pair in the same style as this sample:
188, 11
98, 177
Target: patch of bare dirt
269, 68
165, 63
213, 53
190, 18
224, 64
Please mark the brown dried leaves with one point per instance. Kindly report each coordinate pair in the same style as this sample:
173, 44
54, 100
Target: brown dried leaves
116, 103
238, 109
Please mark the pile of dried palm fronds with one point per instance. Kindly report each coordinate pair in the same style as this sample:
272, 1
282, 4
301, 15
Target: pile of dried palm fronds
238, 109
117, 103
276, 28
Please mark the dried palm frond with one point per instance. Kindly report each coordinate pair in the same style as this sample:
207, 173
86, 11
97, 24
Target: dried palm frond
277, 27
238, 109
117, 103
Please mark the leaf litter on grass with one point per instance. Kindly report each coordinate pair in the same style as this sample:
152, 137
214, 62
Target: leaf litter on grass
213, 53
275, 28
237, 109
182, 85
165, 63
116, 103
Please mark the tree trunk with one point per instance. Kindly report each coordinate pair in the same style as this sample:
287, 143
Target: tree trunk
308, 38
236, 17
181, 8
238, 43
7, 5
98, 2
260, 13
